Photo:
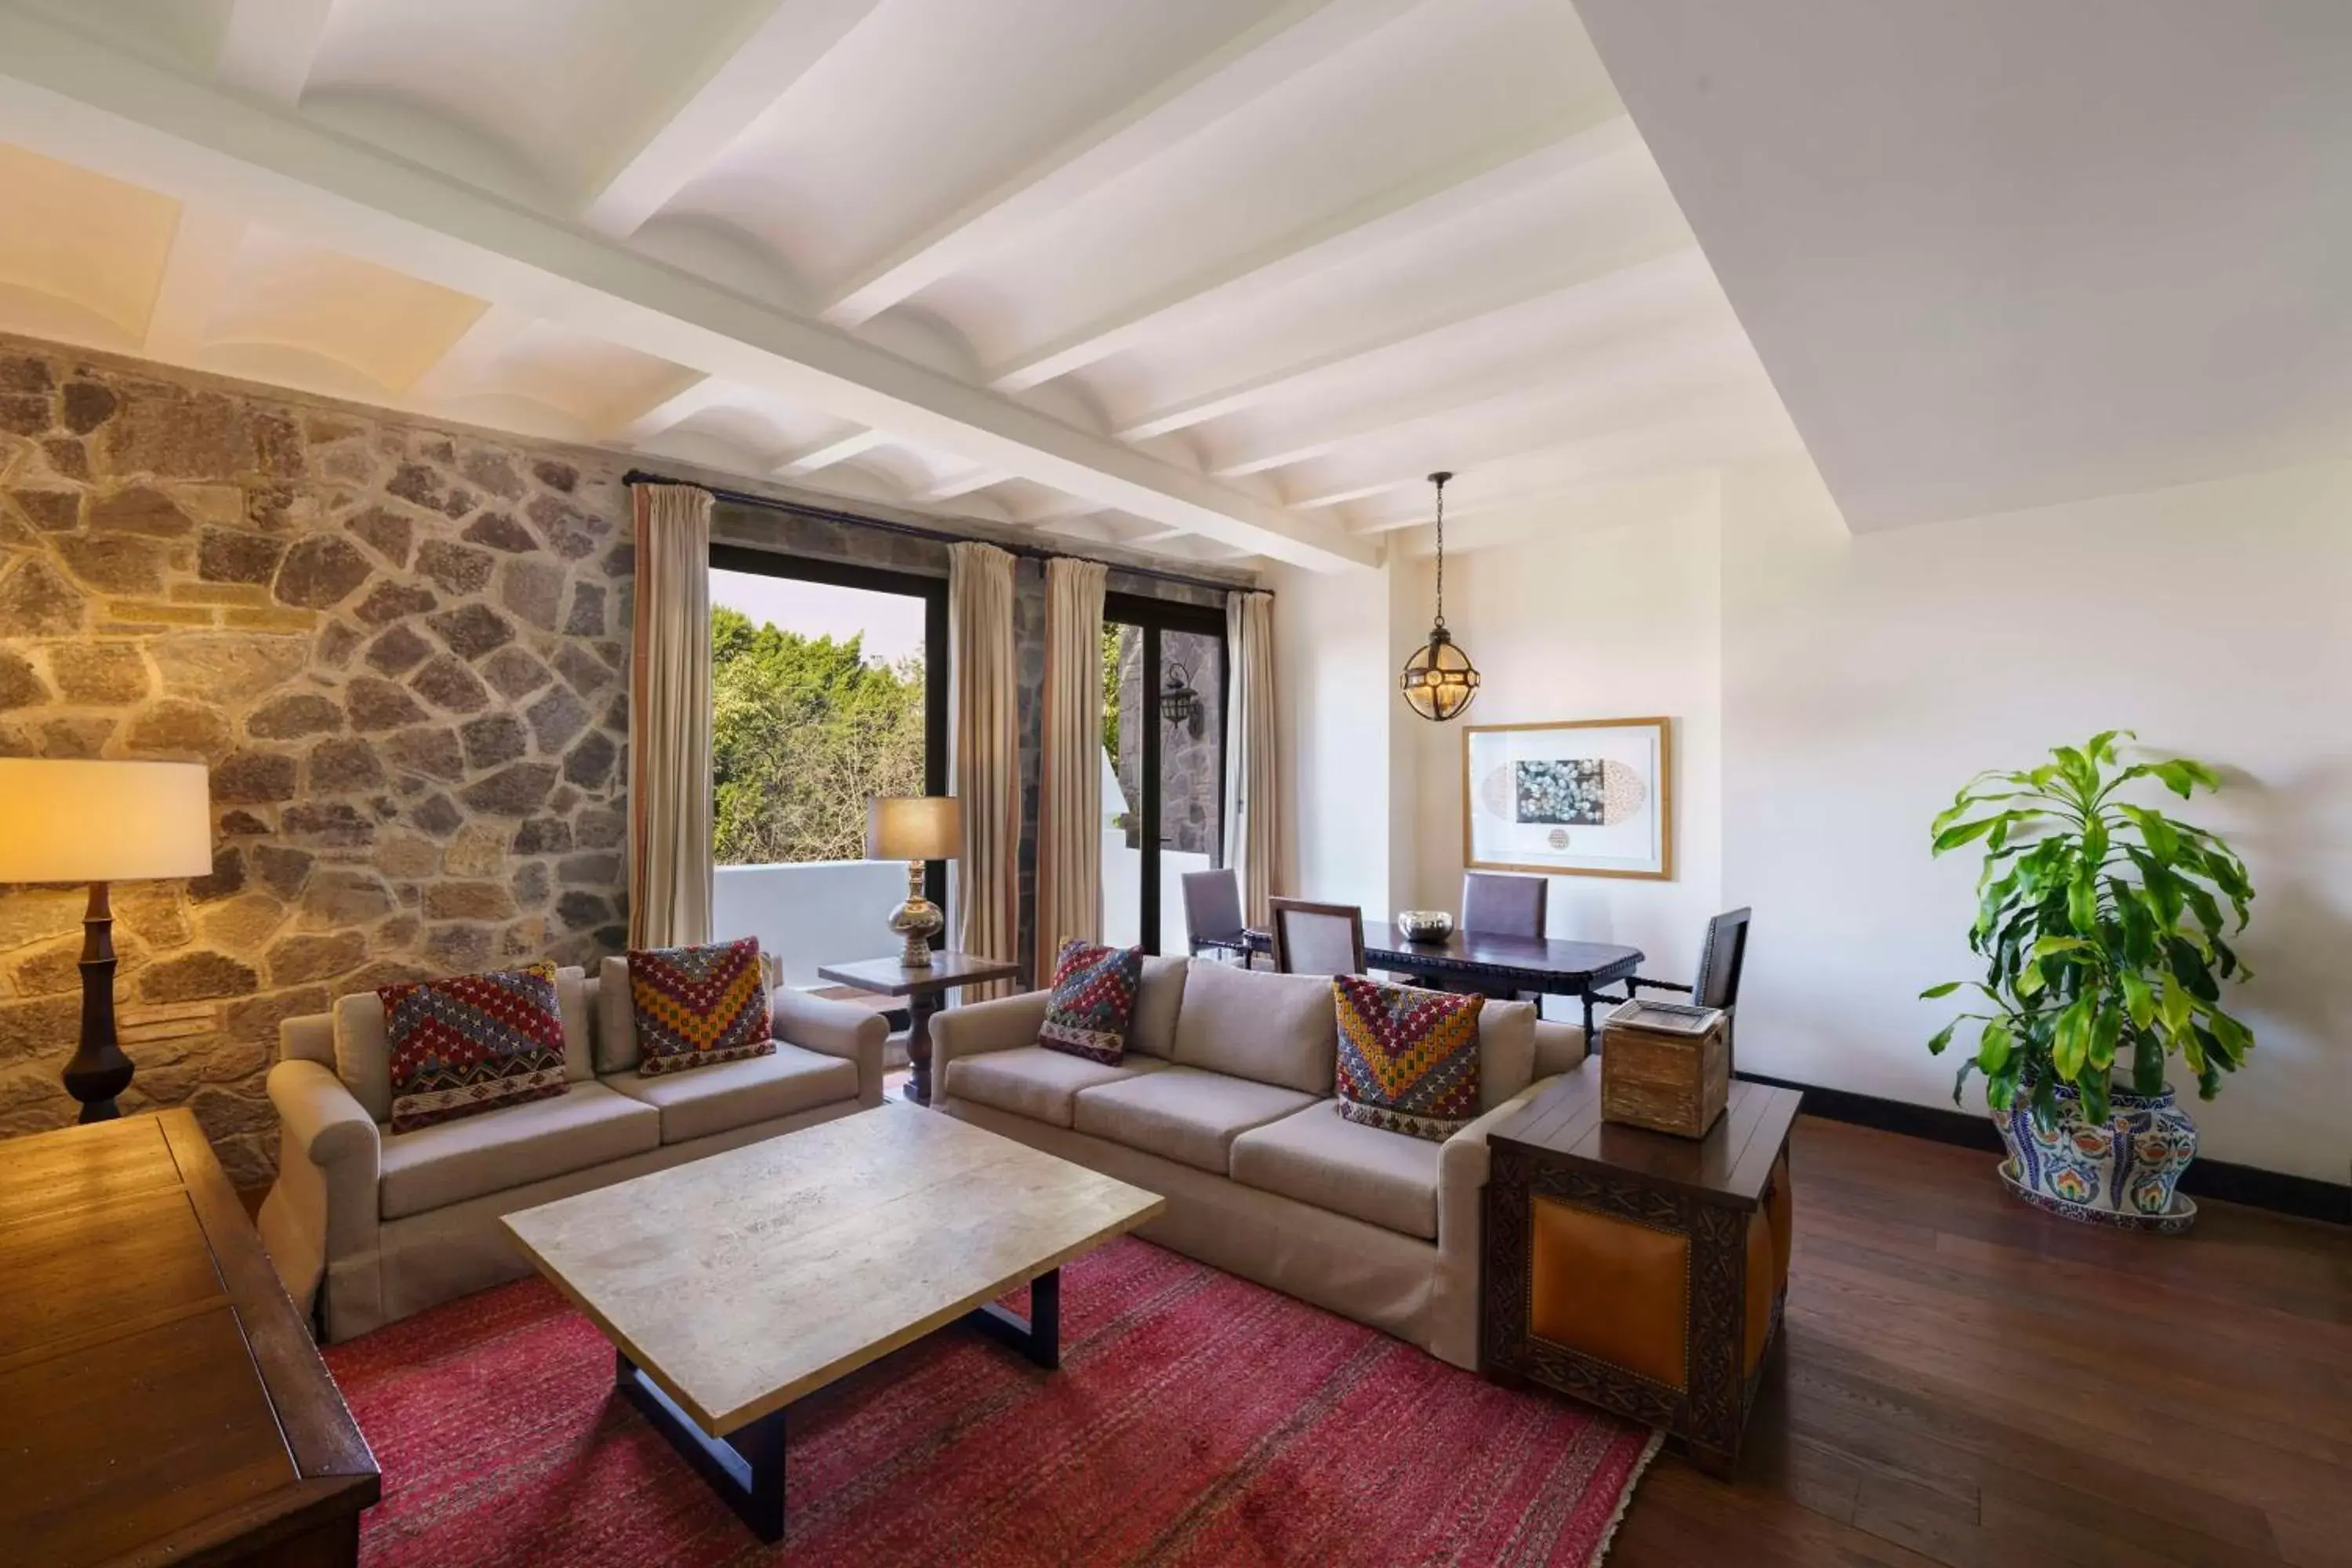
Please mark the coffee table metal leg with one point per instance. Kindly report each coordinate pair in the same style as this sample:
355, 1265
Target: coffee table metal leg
746, 1468
1037, 1336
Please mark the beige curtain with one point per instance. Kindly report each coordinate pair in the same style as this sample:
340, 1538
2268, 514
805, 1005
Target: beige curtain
669, 720
1069, 782
986, 754
1252, 794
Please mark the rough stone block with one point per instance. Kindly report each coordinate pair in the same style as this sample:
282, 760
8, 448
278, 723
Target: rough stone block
108, 674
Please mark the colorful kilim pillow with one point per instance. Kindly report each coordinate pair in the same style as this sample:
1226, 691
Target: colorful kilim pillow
1093, 1003
696, 1006
472, 1043
1408, 1057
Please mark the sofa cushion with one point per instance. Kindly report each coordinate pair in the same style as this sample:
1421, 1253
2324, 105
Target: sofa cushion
1408, 1057
1035, 1082
1159, 1000
1506, 1050
1274, 1028
472, 1043
453, 1161
363, 1061
728, 1095
1320, 1157
1090, 1005
696, 1006
1183, 1113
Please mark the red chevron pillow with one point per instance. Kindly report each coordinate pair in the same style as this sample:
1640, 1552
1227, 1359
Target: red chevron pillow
698, 1006
472, 1043
1408, 1057
1093, 1002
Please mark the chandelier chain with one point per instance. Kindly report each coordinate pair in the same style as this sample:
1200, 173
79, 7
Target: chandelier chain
1440, 551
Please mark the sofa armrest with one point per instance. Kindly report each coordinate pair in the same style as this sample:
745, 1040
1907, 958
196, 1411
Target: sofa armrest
1558, 1047
1005, 1024
308, 1039
323, 1204
835, 1030
1462, 1166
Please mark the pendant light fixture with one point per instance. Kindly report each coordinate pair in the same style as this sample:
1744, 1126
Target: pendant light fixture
1439, 680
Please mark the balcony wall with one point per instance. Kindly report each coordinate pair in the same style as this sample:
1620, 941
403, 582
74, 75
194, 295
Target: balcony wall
811, 913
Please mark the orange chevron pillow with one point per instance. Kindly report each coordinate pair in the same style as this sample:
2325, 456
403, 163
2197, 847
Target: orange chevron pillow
698, 1006
1408, 1057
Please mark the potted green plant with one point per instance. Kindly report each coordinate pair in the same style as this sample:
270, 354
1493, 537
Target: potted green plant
2105, 926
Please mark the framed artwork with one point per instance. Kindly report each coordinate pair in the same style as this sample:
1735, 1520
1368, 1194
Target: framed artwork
1582, 797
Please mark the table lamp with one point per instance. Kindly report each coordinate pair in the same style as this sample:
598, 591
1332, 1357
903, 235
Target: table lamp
100, 823
916, 830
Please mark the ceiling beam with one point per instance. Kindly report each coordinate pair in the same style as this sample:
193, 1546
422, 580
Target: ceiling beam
1292, 37
469, 362
196, 271
1402, 210
671, 411
841, 450
1636, 361
1281, 383
1649, 450
71, 98
743, 77
270, 46
1351, 493
963, 484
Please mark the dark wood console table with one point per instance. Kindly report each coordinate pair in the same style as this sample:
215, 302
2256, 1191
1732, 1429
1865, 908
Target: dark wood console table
924, 990
160, 1398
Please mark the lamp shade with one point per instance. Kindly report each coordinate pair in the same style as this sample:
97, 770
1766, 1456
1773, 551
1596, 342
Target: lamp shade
103, 822
914, 828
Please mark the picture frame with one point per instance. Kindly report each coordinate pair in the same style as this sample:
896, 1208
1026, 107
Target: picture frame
1573, 797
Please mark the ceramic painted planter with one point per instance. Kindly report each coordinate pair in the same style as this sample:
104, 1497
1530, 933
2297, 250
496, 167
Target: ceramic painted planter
2123, 1172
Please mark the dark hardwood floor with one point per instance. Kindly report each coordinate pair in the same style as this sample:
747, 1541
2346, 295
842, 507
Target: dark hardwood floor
1962, 1380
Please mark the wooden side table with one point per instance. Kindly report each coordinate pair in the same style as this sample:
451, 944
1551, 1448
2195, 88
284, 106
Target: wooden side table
923, 989
1636, 1270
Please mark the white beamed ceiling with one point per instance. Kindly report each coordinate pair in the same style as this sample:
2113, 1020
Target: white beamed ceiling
1211, 279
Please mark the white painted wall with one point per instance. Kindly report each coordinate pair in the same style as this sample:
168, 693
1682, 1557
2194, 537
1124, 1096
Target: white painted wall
1621, 621
1335, 700
1830, 693
1867, 678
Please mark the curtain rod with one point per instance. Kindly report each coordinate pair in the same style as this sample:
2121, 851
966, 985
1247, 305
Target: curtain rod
1024, 552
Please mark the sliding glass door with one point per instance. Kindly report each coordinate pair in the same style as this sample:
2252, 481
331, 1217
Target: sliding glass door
1163, 763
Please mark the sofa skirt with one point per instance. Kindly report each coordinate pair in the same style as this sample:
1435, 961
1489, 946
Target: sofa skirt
1400, 1284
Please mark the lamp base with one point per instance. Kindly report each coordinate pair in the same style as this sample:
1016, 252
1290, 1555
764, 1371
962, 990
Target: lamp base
98, 1070
916, 921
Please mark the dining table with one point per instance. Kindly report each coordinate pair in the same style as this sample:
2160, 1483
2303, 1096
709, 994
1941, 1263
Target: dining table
1496, 964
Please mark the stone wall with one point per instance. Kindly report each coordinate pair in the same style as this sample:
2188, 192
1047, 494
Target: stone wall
401, 649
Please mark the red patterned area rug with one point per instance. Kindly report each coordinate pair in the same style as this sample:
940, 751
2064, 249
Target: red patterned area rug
1198, 1419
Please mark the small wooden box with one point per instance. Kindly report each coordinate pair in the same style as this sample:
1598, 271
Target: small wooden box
1666, 1066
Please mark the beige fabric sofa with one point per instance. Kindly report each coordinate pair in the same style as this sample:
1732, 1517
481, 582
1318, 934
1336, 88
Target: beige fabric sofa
389, 1224
1222, 1104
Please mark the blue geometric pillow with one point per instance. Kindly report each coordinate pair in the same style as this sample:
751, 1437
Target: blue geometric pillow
1093, 1002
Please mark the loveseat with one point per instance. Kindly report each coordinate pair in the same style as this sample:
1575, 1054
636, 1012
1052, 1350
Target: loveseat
1222, 1104
385, 1225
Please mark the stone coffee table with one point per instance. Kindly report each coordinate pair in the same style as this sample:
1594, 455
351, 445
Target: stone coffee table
733, 1286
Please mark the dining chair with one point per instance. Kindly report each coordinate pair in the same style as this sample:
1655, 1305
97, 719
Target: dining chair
1721, 958
1497, 903
1317, 939
1504, 905
1212, 913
